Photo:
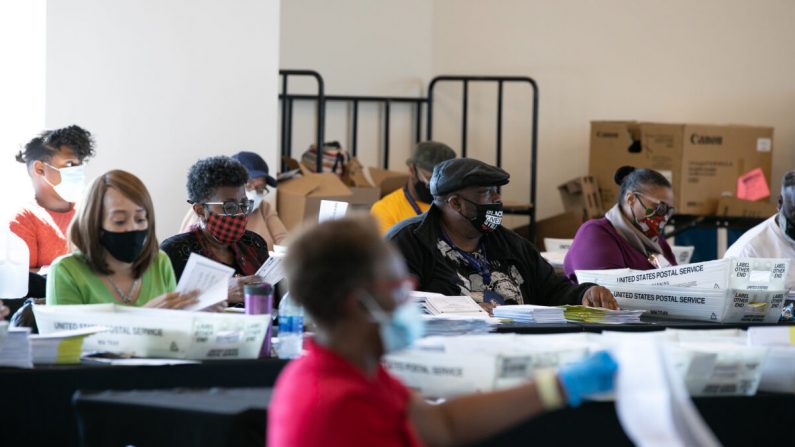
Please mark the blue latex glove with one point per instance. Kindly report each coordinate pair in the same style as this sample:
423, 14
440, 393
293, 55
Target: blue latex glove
595, 374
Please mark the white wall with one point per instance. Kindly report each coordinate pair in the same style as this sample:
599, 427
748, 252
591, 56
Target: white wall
713, 61
710, 61
361, 47
22, 46
164, 83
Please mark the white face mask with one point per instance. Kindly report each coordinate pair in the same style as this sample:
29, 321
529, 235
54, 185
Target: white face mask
73, 180
256, 197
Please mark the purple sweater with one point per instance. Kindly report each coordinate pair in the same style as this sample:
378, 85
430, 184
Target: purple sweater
598, 246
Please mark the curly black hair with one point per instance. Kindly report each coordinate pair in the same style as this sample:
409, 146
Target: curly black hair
210, 173
49, 142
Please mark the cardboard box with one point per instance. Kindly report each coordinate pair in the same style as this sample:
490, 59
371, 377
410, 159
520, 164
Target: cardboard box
581, 196
386, 180
298, 199
559, 226
734, 207
703, 162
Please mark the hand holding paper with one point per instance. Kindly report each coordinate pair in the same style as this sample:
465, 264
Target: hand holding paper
209, 277
174, 300
598, 296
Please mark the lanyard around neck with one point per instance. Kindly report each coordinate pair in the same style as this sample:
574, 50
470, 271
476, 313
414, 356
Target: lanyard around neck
411, 200
481, 267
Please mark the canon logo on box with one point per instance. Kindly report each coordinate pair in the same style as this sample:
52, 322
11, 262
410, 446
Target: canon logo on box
607, 134
706, 139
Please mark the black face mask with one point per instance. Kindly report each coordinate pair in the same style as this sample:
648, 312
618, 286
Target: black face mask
423, 191
787, 226
126, 246
488, 217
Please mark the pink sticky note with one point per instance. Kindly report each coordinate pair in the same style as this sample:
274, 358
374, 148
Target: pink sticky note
752, 185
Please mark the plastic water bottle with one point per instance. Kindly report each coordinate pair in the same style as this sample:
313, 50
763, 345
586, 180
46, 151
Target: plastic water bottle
14, 258
291, 328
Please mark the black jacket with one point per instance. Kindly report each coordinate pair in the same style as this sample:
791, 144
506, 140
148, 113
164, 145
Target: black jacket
417, 237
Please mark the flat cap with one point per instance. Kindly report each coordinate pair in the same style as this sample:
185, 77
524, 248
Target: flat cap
428, 154
459, 173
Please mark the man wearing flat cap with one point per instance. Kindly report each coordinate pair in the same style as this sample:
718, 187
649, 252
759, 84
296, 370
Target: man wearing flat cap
459, 247
414, 198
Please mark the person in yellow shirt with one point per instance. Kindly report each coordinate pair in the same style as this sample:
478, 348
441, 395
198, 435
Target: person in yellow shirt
414, 197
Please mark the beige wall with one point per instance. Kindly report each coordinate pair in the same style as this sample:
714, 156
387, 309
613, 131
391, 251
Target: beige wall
164, 83
361, 47
712, 61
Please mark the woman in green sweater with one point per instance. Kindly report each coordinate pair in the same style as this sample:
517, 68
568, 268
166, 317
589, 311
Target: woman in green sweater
117, 259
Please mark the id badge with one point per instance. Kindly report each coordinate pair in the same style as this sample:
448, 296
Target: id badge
490, 296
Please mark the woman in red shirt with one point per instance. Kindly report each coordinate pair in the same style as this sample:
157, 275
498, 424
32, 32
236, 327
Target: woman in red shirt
355, 288
55, 164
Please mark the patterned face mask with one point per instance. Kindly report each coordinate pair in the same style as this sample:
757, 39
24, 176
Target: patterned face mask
488, 218
226, 229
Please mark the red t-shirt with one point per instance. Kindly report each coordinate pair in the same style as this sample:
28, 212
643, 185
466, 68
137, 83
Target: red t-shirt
321, 399
44, 231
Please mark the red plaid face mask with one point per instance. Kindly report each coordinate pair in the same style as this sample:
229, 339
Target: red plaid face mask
226, 229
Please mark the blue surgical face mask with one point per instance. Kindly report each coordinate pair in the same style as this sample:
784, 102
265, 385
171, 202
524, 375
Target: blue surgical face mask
73, 179
401, 328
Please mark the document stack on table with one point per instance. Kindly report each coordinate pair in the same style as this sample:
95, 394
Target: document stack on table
61, 347
15, 347
452, 315
727, 290
587, 314
530, 313
438, 304
457, 325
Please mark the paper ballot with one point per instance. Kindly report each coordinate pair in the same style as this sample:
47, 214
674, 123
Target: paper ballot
531, 313
331, 210
272, 270
210, 277
438, 304
648, 385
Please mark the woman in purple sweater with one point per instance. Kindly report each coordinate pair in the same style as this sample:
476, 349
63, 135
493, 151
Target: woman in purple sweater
630, 234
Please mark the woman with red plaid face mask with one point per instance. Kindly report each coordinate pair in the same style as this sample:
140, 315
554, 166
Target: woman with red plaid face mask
216, 189
631, 233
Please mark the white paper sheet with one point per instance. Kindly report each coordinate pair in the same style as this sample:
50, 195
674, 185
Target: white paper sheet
208, 276
331, 210
272, 271
461, 305
651, 400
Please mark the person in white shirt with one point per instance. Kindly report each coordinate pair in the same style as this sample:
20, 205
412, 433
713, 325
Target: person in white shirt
775, 237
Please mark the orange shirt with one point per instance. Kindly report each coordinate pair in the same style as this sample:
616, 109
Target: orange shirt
44, 231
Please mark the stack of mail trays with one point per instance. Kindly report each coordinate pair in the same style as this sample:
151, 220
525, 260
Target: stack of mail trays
726, 290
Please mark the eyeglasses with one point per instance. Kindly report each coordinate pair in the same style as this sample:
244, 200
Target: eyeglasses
660, 208
232, 208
